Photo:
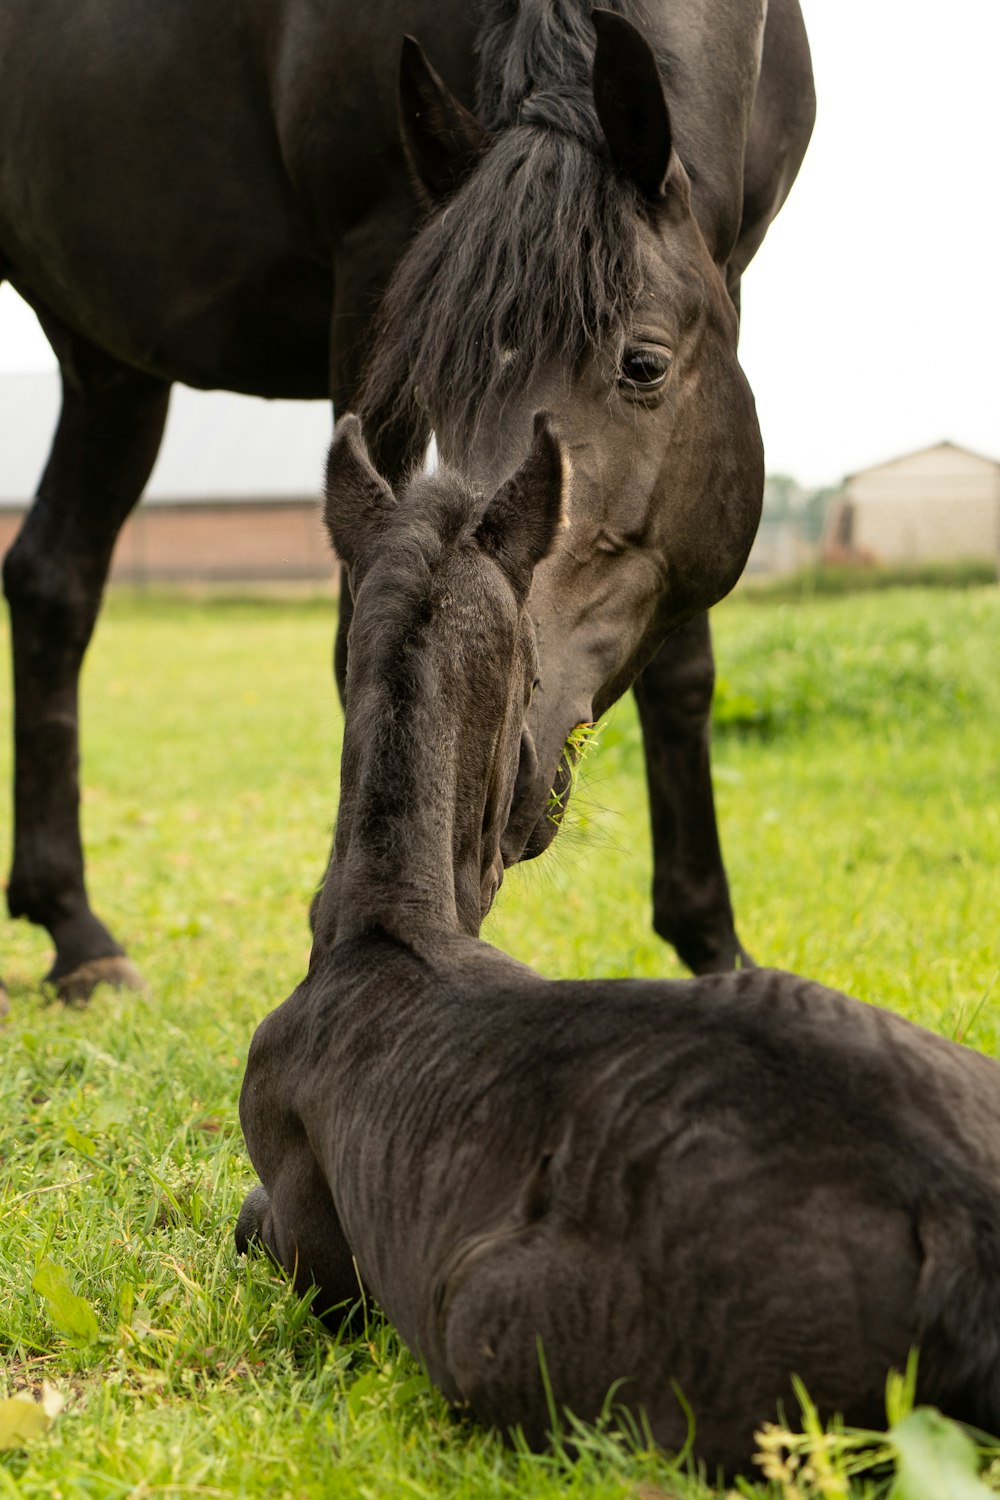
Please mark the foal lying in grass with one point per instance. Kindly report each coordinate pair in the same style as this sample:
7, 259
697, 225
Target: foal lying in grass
700, 1186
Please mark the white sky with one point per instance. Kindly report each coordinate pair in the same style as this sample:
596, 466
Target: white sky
871, 317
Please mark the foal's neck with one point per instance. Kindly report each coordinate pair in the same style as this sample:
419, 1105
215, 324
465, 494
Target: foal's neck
407, 847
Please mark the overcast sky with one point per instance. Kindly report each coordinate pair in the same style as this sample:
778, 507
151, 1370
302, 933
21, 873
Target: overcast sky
871, 316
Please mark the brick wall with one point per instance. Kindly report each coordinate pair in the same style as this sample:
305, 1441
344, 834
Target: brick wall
272, 540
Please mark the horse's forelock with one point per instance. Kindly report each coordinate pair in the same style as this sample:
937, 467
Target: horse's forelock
536, 257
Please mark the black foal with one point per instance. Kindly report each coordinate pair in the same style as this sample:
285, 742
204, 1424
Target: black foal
699, 1186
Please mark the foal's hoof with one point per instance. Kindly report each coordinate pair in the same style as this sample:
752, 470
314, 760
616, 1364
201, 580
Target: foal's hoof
118, 971
248, 1225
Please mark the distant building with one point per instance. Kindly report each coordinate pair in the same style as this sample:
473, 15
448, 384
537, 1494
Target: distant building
234, 494
940, 503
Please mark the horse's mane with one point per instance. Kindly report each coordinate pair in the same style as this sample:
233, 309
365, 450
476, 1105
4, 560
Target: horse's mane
536, 255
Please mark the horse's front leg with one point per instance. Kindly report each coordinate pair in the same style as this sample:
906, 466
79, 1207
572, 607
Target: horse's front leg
105, 445
691, 904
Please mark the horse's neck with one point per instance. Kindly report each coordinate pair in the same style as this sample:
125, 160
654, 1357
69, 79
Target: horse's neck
712, 51
402, 817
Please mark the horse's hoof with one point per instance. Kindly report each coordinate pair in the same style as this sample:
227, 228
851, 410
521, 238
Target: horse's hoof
718, 960
118, 971
4, 1000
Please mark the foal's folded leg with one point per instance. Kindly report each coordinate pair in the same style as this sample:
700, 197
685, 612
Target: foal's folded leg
250, 1224
297, 1224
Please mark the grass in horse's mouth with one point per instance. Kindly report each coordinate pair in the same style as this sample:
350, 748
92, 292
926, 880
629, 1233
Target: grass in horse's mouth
582, 740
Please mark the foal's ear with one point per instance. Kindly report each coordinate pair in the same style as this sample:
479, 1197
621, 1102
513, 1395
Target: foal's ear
442, 140
522, 520
631, 106
358, 500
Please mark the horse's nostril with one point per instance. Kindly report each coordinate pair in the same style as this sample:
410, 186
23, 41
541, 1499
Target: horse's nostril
509, 852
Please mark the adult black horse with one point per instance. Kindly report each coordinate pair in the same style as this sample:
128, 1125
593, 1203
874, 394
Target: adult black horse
218, 193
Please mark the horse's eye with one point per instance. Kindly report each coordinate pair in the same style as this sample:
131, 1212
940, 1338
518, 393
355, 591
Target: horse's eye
644, 369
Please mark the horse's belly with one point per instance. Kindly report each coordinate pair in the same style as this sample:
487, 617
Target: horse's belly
146, 201
266, 335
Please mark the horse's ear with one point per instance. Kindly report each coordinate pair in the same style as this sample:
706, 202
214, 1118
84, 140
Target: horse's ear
358, 500
520, 524
442, 139
631, 105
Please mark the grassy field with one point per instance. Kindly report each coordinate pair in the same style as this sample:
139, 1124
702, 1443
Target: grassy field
858, 770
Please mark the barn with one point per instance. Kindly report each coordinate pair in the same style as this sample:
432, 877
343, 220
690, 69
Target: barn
233, 496
938, 504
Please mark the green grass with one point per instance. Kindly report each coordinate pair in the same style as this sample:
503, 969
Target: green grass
858, 578
858, 767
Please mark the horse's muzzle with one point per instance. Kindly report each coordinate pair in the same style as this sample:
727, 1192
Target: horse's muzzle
539, 802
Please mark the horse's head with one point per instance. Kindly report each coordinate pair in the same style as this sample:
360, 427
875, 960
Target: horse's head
442, 666
567, 270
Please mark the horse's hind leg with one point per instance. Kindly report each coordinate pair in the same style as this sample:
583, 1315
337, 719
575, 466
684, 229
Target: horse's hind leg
106, 442
691, 904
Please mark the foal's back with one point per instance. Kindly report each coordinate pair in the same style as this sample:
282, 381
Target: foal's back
706, 1186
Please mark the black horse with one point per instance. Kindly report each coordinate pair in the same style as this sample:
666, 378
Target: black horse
694, 1188
216, 192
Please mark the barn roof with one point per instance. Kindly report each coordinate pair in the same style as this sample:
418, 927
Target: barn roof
217, 446
902, 458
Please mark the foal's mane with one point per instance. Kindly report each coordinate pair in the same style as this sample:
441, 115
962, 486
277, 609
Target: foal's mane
413, 582
422, 536
537, 255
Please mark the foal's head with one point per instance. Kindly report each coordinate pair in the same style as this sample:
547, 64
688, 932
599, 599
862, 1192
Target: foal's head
441, 662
